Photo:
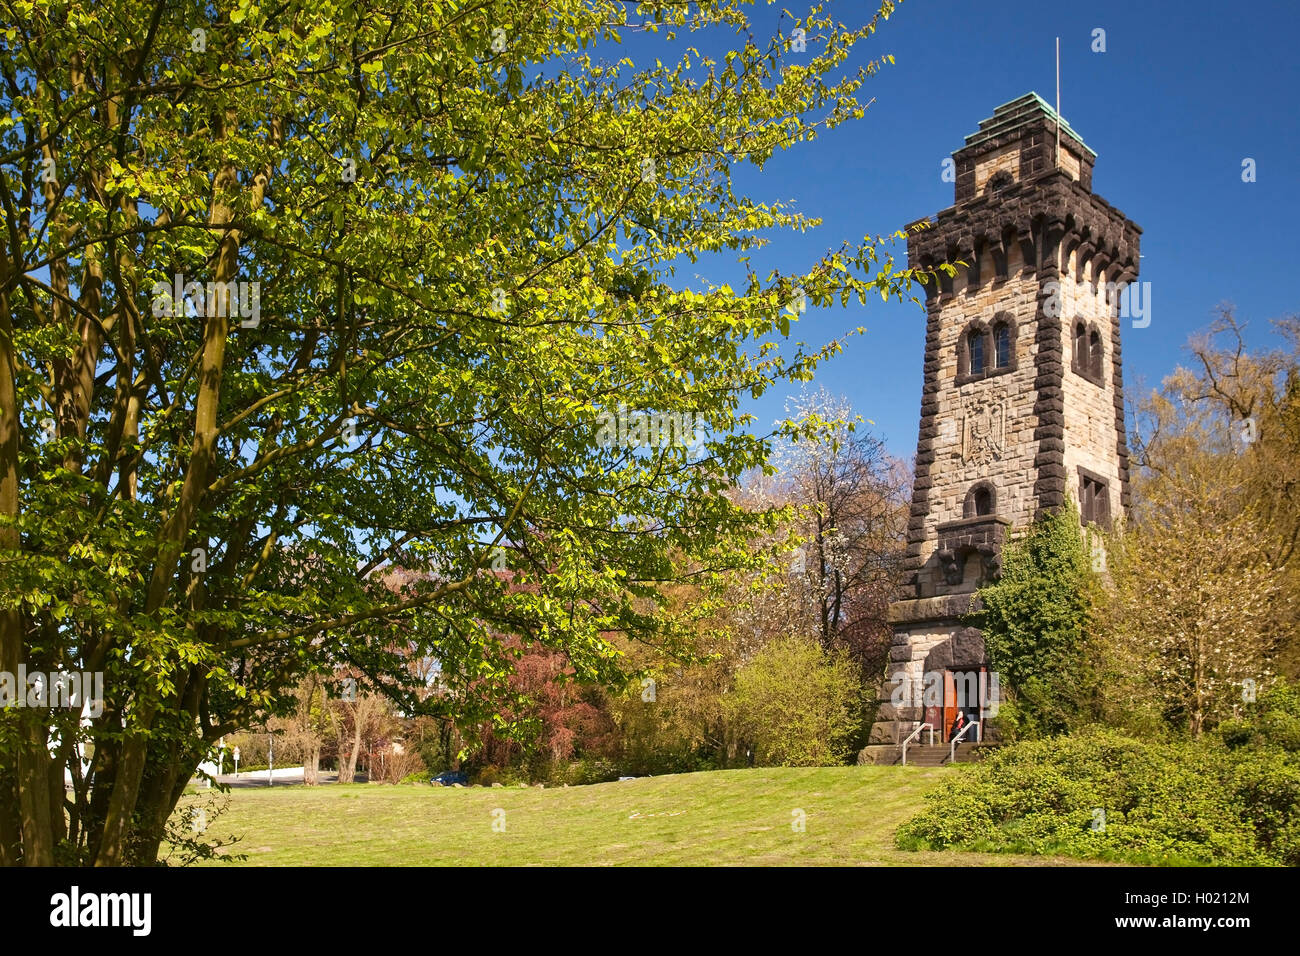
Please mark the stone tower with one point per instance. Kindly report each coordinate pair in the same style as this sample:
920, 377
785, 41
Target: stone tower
1022, 401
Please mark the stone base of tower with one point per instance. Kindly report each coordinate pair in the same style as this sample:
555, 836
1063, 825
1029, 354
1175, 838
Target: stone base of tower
930, 646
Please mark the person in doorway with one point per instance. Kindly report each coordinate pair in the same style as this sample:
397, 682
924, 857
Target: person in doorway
958, 723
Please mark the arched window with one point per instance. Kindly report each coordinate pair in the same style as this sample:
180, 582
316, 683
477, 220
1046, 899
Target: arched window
980, 501
975, 349
1094, 353
1080, 345
986, 348
1002, 346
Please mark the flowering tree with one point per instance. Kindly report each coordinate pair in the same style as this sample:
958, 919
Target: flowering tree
1206, 603
847, 508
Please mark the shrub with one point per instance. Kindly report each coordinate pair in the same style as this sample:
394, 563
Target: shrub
398, 766
581, 772
1271, 721
1265, 784
798, 705
1162, 803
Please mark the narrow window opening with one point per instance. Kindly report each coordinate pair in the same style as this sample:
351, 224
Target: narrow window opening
1002, 346
975, 346
980, 501
1094, 501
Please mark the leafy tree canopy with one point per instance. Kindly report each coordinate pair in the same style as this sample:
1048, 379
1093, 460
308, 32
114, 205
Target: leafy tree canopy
292, 292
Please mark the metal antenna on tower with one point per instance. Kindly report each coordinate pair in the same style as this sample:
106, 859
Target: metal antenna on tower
1058, 102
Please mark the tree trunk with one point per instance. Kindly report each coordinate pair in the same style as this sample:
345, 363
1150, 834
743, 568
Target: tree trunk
356, 750
348, 761
31, 759
311, 763
10, 841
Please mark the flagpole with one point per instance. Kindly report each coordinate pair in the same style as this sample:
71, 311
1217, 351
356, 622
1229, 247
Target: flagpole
1058, 102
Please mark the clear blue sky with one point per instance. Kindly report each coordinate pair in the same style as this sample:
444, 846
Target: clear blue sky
1184, 92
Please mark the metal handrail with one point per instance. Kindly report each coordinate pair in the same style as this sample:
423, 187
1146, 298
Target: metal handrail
979, 735
929, 727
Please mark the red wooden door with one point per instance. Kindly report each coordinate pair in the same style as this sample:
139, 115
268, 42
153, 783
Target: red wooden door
950, 708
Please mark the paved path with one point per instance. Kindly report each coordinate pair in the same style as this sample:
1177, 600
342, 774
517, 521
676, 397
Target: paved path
290, 775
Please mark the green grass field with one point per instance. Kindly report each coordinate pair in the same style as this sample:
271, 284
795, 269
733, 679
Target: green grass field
732, 817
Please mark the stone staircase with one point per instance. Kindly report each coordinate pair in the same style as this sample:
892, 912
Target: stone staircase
922, 755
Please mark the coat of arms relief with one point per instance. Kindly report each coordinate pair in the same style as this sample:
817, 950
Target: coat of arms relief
983, 438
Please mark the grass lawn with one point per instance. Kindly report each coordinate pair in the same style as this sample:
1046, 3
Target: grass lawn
724, 817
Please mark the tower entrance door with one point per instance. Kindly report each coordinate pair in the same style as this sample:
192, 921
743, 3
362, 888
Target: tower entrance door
963, 702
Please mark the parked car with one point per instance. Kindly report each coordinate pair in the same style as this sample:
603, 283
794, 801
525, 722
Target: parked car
451, 777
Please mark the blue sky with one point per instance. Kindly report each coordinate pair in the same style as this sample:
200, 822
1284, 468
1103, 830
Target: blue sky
1184, 92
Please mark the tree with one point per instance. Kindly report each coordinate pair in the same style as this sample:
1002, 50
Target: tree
1206, 599
354, 722
846, 502
1256, 395
561, 718
853, 498
673, 719
302, 732
291, 292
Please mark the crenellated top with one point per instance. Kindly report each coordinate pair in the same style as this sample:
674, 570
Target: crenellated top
1032, 217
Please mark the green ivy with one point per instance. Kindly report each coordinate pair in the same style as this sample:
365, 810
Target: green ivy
1034, 620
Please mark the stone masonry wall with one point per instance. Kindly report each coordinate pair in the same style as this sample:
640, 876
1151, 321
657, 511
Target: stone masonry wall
1005, 160
1026, 430
1090, 426
1013, 473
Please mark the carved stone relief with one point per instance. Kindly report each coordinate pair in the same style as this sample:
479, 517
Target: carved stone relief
984, 425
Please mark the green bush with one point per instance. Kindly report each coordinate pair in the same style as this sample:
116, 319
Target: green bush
508, 776
798, 705
1181, 803
1266, 785
1271, 721
581, 772
653, 763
